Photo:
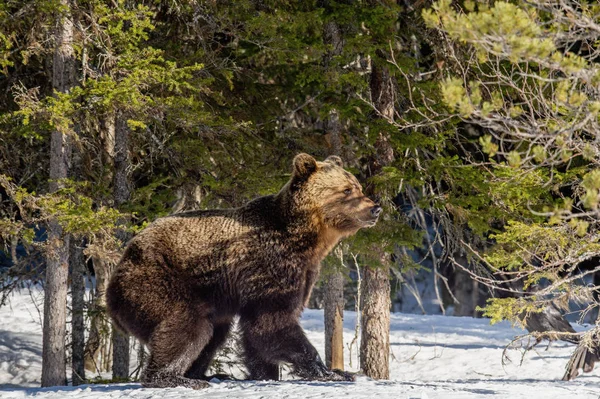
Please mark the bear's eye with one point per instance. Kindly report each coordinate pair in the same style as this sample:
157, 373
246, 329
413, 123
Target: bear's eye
348, 191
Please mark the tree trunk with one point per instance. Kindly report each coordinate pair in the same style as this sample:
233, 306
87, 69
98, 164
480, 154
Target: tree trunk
78, 269
14, 243
57, 258
466, 290
334, 320
334, 283
122, 192
77, 265
375, 336
333, 300
97, 349
98, 356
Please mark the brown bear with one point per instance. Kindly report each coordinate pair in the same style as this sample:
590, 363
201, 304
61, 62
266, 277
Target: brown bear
184, 278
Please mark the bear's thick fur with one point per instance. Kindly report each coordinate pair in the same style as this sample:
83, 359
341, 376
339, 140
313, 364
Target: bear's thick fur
182, 280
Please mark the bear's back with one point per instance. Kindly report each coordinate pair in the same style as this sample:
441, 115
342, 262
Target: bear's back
212, 238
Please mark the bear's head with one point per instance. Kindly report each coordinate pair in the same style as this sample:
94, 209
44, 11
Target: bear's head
331, 195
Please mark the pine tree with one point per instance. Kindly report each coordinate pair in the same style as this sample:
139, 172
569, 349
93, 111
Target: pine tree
524, 80
57, 260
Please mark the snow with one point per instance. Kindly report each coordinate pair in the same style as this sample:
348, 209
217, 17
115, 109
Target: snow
430, 357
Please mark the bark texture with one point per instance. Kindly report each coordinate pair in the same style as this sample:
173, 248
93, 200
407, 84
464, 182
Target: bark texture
98, 355
334, 284
333, 301
57, 258
334, 320
14, 242
122, 192
98, 347
375, 336
466, 291
77, 261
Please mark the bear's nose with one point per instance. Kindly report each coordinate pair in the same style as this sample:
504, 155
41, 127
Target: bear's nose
376, 210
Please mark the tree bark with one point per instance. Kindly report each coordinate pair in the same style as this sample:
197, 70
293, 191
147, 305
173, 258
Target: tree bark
375, 343
57, 258
97, 349
375, 335
78, 269
98, 357
77, 265
383, 95
122, 192
14, 243
333, 301
466, 292
334, 284
334, 320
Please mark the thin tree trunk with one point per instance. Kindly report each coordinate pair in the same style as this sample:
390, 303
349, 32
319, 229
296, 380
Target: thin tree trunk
98, 343
78, 269
57, 258
375, 336
465, 290
375, 342
77, 265
14, 243
333, 301
98, 357
55, 308
334, 283
108, 137
462, 290
334, 320
122, 192
141, 359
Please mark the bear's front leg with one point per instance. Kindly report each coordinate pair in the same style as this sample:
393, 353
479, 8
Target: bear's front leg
275, 337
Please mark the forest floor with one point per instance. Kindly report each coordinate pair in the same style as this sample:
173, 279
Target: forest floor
431, 357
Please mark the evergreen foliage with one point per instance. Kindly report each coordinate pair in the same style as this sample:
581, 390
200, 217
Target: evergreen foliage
494, 129
526, 78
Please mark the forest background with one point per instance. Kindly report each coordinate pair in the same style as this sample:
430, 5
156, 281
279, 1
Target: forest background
474, 123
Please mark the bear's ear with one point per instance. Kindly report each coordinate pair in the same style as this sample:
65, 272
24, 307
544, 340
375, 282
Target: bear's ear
304, 166
334, 159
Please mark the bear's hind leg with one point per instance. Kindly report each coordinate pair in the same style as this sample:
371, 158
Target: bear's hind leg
174, 346
202, 363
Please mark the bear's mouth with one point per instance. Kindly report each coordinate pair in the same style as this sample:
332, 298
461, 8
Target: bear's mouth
368, 222
371, 223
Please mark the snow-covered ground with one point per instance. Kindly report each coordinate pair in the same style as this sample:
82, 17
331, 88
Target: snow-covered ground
431, 357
